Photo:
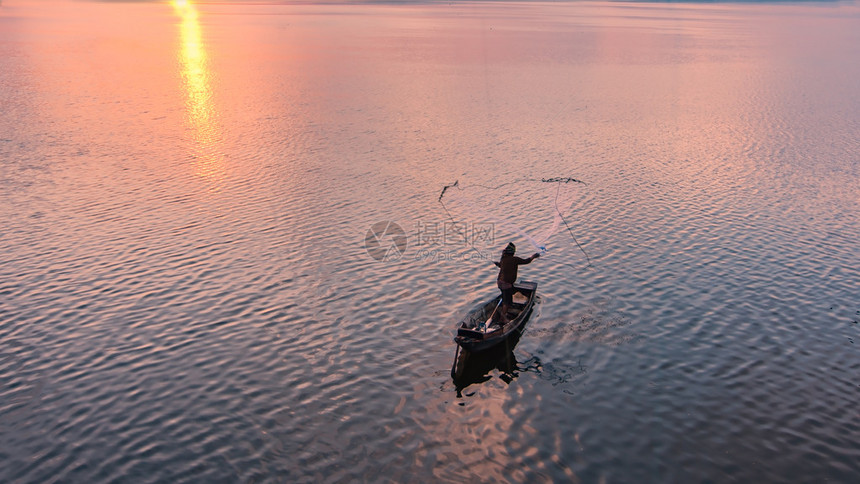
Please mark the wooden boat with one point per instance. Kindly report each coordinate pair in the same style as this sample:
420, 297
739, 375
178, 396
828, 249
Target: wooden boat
480, 330
475, 368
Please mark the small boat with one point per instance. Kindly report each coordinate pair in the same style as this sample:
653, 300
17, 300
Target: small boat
475, 368
480, 329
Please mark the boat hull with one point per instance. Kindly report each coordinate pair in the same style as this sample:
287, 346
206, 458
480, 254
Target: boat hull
473, 339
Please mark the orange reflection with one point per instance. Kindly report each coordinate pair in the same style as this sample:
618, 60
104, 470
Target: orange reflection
202, 118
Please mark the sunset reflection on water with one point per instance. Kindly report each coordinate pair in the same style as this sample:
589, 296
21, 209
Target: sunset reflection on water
201, 115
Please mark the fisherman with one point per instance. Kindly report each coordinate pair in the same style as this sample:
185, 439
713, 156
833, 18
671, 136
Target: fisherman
508, 275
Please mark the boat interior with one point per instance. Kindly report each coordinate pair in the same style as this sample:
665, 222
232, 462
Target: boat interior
491, 311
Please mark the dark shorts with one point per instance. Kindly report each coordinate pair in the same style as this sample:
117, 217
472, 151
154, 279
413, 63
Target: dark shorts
508, 295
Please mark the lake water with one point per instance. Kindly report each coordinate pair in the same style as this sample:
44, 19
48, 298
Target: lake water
187, 294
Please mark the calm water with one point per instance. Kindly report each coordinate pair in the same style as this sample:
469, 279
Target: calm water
185, 191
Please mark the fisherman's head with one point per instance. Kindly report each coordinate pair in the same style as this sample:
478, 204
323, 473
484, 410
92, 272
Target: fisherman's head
510, 249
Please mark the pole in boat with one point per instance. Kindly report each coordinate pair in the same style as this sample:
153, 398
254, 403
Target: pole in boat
490, 319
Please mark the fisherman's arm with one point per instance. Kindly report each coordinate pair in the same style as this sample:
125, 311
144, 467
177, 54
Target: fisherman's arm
526, 261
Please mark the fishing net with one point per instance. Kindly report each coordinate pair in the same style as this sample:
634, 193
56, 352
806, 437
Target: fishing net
528, 212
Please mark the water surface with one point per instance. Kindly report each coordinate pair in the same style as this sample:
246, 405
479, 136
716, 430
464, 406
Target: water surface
185, 293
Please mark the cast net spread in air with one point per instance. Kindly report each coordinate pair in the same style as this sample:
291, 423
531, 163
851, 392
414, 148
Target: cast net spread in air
527, 211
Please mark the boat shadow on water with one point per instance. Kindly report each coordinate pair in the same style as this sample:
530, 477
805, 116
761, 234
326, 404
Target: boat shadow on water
475, 368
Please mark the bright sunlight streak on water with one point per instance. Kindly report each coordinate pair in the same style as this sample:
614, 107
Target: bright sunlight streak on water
196, 79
